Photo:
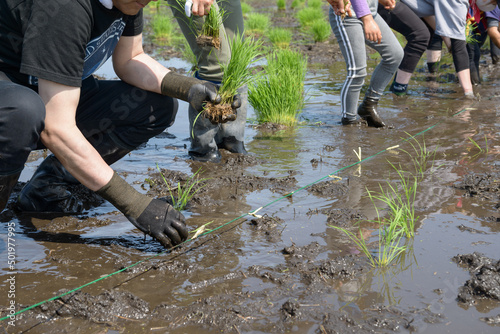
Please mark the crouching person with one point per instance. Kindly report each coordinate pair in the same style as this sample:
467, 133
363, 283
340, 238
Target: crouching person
49, 99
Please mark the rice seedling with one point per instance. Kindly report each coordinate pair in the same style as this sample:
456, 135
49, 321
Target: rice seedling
297, 3
163, 28
256, 24
189, 56
398, 224
280, 37
390, 244
308, 15
237, 73
184, 192
321, 30
315, 4
401, 211
278, 96
210, 30
421, 156
480, 149
281, 4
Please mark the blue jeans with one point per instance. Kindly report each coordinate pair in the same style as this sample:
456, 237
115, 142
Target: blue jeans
351, 38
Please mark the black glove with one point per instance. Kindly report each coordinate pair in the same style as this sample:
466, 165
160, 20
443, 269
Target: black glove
203, 92
196, 92
161, 221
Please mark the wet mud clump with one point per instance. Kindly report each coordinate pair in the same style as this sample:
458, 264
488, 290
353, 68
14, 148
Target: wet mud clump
485, 278
270, 227
208, 41
482, 186
103, 308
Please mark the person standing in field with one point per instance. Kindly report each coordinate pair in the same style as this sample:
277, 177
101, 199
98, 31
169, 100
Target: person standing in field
353, 33
207, 138
448, 19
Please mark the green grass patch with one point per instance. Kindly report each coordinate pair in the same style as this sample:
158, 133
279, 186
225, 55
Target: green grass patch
317, 4
280, 37
257, 24
320, 30
281, 4
308, 15
246, 9
278, 95
298, 4
163, 28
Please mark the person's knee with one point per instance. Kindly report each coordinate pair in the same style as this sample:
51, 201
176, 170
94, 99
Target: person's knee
419, 39
164, 113
27, 108
460, 54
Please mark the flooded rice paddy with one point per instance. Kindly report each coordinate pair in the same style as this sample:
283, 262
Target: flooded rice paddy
289, 270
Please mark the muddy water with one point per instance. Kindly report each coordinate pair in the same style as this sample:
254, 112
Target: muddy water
291, 272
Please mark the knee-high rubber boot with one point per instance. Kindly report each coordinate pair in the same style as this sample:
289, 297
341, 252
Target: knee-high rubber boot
7, 183
47, 191
202, 134
231, 134
367, 110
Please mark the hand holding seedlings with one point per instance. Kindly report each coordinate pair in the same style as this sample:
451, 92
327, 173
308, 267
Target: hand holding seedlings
198, 7
341, 7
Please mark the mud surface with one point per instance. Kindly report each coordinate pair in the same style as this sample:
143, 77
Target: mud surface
269, 259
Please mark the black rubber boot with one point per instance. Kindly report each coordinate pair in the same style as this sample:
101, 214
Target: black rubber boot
212, 155
233, 145
47, 191
367, 110
348, 121
7, 183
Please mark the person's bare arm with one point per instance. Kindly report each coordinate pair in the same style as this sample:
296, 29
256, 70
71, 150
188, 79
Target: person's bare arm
372, 31
135, 67
494, 34
63, 138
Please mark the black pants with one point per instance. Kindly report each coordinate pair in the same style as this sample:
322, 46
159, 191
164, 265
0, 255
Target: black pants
129, 115
403, 20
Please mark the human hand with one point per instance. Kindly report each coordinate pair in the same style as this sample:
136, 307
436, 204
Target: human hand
161, 221
201, 93
388, 4
341, 7
224, 113
201, 7
372, 31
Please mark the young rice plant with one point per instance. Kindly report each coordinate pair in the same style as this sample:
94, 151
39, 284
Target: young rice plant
237, 73
280, 37
256, 24
184, 192
278, 96
321, 30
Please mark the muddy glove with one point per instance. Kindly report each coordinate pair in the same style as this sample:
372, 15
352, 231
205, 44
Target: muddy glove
196, 92
154, 217
161, 221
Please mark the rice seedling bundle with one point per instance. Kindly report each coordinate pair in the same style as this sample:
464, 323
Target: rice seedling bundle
237, 73
278, 95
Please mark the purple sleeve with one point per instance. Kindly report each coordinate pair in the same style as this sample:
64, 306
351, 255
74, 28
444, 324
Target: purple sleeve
360, 7
494, 14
